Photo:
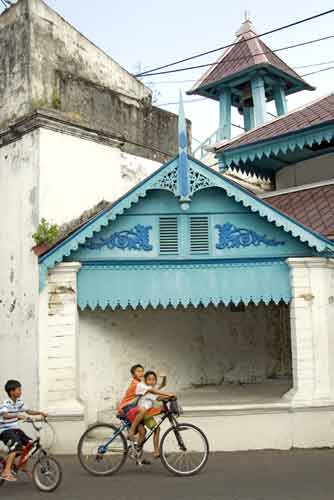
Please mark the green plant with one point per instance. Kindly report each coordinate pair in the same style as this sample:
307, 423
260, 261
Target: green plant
46, 232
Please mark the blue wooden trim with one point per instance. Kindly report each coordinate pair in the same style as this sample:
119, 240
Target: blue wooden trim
225, 108
259, 100
248, 118
182, 263
245, 75
232, 190
144, 286
184, 191
284, 143
280, 100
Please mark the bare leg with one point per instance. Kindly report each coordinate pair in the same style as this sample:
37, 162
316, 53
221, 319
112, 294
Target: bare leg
139, 417
142, 433
7, 472
156, 443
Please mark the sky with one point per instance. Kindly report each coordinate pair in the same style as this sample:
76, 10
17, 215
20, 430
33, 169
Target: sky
149, 33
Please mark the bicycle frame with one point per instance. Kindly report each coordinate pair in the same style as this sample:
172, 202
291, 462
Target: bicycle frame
167, 415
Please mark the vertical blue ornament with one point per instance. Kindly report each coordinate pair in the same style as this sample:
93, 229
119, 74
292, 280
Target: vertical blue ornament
184, 191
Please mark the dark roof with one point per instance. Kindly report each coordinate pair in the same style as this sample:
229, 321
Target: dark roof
70, 227
316, 113
247, 52
313, 207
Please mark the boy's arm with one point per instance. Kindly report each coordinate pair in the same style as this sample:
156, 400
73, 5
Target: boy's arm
12, 416
163, 382
157, 392
34, 413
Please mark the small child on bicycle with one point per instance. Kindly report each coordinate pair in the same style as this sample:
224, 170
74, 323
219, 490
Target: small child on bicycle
148, 395
10, 434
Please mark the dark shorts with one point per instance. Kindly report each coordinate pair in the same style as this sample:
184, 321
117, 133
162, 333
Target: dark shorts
14, 439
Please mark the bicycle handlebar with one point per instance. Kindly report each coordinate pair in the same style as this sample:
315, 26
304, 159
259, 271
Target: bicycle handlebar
33, 421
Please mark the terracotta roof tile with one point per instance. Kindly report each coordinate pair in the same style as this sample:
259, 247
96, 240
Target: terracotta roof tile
313, 207
248, 51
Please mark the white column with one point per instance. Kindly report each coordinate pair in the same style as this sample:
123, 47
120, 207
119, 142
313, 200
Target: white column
312, 331
61, 385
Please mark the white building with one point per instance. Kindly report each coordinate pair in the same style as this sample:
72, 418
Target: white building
233, 297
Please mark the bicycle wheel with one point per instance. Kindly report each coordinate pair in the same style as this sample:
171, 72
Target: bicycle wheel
47, 474
102, 449
47, 435
184, 450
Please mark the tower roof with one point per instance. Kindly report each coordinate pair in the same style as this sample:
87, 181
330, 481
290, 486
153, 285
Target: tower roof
248, 53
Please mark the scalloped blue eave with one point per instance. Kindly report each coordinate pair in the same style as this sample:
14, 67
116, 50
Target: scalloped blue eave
238, 156
146, 286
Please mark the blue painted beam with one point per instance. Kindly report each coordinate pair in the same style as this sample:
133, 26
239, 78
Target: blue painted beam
248, 118
280, 100
259, 100
225, 105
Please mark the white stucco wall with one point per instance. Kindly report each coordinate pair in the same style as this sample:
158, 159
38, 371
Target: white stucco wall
305, 172
191, 346
18, 265
77, 173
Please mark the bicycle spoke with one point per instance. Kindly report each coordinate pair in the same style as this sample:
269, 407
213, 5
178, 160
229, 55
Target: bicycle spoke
184, 449
97, 454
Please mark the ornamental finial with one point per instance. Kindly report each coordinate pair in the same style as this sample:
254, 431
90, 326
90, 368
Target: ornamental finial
182, 126
183, 153
247, 25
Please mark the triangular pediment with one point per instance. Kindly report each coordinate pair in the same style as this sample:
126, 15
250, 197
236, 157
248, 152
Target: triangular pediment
269, 227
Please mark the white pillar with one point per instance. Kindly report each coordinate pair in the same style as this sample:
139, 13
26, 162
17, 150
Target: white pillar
312, 331
59, 343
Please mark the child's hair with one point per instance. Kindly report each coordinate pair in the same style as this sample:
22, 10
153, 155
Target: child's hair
151, 372
134, 368
11, 385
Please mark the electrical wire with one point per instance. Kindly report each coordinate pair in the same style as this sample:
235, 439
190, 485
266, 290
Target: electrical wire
274, 30
244, 58
4, 4
175, 82
199, 99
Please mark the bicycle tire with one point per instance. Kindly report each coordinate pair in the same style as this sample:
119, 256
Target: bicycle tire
38, 471
164, 453
80, 451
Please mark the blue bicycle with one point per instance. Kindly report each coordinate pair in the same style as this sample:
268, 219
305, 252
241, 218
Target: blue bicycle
184, 448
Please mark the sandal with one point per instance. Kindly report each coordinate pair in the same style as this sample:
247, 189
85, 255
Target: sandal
9, 479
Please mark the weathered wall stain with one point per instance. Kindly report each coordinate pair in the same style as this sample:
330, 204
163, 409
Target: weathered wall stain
195, 347
46, 63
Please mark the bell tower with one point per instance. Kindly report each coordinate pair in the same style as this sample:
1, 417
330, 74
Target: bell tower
247, 76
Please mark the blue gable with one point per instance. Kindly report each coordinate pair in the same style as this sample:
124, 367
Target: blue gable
185, 235
227, 230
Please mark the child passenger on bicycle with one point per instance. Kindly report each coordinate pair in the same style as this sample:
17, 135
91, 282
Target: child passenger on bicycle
12, 436
148, 395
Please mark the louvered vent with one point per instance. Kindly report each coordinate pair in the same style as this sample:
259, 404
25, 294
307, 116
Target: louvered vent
199, 235
169, 235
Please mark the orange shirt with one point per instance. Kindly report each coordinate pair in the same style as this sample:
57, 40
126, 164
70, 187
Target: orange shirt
130, 395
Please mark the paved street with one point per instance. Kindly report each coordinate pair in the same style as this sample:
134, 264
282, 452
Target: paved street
296, 475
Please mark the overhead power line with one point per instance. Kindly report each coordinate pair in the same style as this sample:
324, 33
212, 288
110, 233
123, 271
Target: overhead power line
244, 58
269, 32
201, 99
174, 82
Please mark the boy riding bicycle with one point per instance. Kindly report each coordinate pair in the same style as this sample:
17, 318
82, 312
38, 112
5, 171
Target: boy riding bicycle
10, 434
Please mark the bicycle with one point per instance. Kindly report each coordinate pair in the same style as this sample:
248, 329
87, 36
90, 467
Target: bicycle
46, 473
184, 448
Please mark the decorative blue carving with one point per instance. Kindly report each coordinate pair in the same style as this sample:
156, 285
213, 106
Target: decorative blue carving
137, 238
230, 236
183, 154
